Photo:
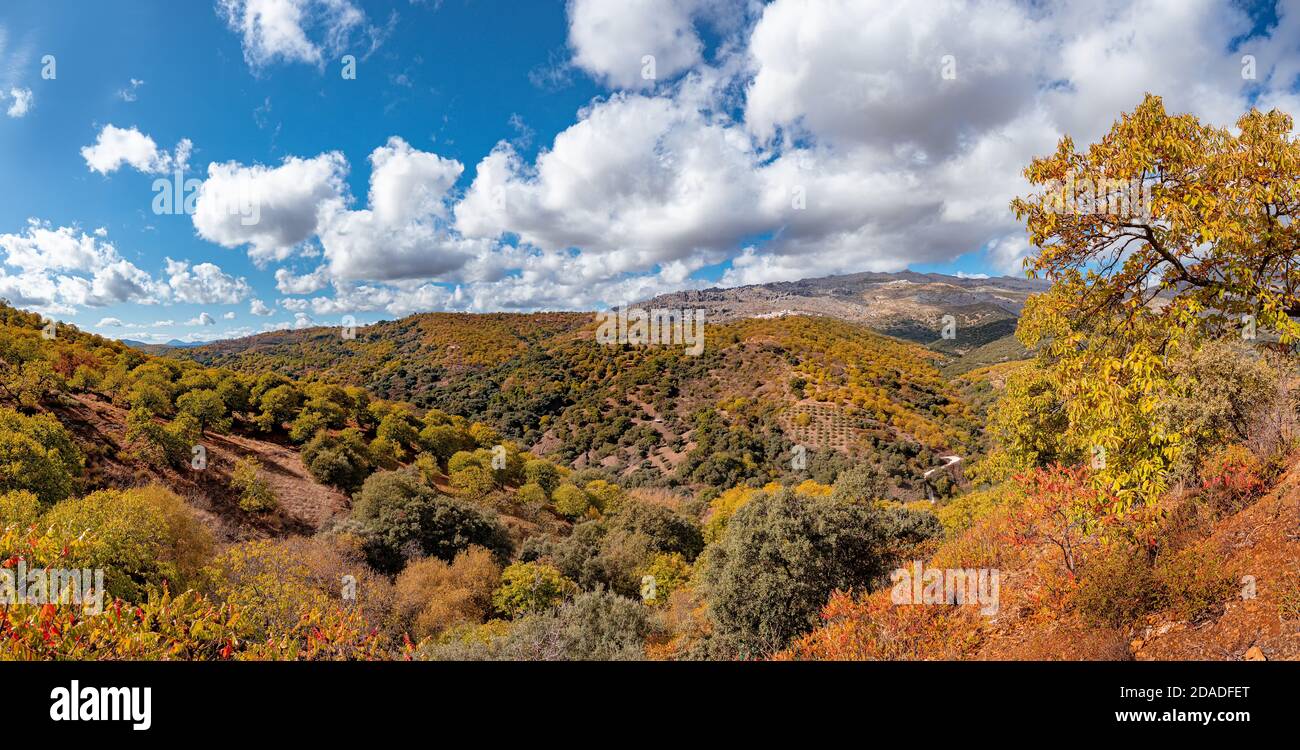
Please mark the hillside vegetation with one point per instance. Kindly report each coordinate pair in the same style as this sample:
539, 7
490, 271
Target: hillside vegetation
651, 416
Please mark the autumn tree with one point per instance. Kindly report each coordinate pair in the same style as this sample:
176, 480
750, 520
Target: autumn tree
531, 587
38, 455
207, 407
255, 493
341, 460
1164, 230
402, 517
433, 595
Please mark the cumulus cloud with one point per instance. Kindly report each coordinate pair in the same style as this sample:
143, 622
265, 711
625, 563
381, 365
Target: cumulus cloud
116, 146
45, 248
286, 282
612, 40
404, 233
204, 284
270, 209
908, 165
120, 281
808, 138
203, 319
109, 323
63, 268
260, 308
638, 181
33, 291
873, 71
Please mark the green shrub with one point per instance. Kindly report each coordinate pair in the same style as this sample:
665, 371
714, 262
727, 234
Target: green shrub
571, 502
531, 587
779, 561
37, 454
255, 495
341, 460
402, 517
594, 626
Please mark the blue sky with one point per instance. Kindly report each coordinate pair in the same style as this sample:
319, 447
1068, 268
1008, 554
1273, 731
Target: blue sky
530, 162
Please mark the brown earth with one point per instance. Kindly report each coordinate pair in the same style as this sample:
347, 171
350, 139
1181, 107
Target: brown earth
99, 427
1262, 542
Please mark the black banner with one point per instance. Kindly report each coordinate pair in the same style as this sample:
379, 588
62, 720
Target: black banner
519, 701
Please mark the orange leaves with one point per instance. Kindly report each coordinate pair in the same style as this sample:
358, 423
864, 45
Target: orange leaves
1062, 508
1231, 477
872, 628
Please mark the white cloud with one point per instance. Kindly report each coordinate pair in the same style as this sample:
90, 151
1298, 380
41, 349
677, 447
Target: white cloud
260, 308
204, 284
33, 291
128, 94
116, 146
404, 233
871, 71
43, 248
203, 319
822, 138
638, 181
270, 209
229, 316
109, 323
288, 283
610, 40
120, 281
303, 31
63, 268
1006, 254
22, 102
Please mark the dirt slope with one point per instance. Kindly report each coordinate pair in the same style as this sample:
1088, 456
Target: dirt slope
1263, 542
305, 506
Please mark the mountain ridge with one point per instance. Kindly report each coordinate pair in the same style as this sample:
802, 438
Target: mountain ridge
908, 305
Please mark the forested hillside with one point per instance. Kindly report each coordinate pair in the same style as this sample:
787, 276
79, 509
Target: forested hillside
651, 415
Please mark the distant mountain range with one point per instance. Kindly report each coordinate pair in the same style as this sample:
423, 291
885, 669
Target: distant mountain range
909, 306
173, 344
906, 305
